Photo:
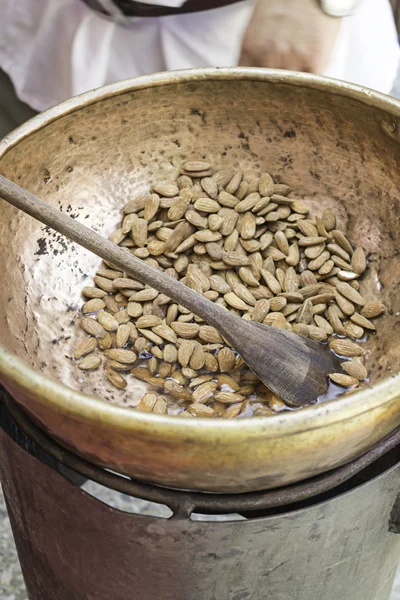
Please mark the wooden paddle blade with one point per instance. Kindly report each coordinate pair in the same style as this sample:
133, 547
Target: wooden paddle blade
294, 368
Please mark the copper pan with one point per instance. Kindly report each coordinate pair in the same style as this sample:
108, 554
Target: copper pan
336, 144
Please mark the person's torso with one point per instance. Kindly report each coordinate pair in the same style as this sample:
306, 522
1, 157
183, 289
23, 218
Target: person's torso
53, 49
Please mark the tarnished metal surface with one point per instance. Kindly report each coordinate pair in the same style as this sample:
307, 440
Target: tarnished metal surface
185, 503
335, 143
74, 547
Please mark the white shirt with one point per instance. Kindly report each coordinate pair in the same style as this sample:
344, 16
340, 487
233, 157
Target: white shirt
54, 49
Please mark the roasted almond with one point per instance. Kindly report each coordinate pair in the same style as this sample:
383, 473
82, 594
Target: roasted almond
226, 360
362, 321
197, 165
85, 347
372, 309
200, 410
343, 380
108, 322
185, 330
358, 261
122, 356
89, 363
93, 305
345, 348
233, 300
207, 205
204, 392
350, 293
93, 327
115, 378
229, 397
148, 321
355, 369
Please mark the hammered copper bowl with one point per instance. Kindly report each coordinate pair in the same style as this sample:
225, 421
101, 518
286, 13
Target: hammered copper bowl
334, 143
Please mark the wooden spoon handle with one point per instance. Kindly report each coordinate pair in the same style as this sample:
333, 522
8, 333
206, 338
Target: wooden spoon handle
122, 258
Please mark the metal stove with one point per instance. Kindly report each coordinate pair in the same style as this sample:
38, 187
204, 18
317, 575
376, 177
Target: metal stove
332, 537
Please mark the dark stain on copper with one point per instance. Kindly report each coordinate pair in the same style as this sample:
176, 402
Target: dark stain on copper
46, 176
198, 113
42, 243
289, 134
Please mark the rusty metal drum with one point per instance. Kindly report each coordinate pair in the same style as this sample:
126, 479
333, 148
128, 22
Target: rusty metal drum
340, 544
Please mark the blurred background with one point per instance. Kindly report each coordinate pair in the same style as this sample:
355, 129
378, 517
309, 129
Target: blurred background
396, 10
51, 50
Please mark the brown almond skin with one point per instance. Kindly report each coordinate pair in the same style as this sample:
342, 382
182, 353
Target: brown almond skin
355, 370
246, 246
343, 380
374, 309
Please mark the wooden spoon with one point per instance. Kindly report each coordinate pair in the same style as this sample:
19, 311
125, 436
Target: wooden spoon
294, 368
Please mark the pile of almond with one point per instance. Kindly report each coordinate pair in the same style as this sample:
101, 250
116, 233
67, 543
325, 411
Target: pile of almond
249, 246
